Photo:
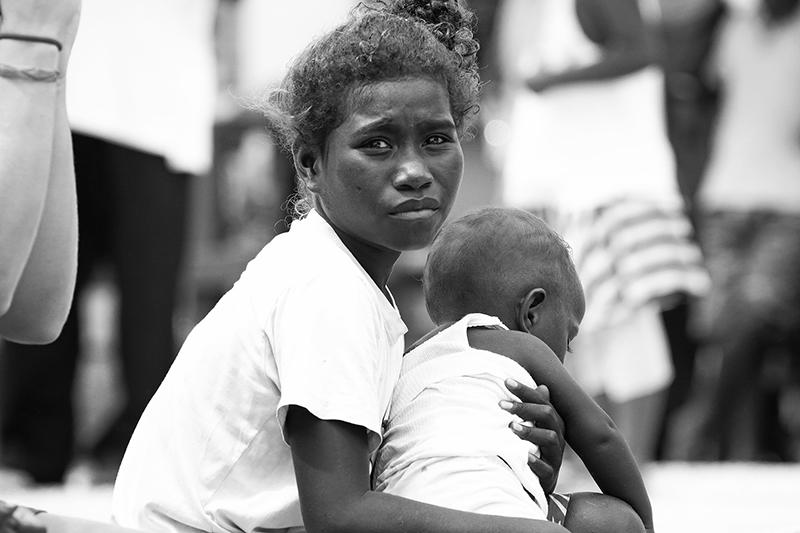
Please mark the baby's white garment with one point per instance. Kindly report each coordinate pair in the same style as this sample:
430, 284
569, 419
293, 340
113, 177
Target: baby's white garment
446, 441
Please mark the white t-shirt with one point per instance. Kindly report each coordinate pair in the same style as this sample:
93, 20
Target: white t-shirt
304, 325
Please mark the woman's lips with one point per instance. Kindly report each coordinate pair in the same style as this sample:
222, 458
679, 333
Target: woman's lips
416, 208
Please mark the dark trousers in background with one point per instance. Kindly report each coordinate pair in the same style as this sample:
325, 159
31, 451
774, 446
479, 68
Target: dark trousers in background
132, 216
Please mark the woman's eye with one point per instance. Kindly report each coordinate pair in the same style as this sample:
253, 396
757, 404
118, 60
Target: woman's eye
379, 144
436, 139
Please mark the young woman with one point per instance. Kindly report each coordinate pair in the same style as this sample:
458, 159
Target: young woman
268, 417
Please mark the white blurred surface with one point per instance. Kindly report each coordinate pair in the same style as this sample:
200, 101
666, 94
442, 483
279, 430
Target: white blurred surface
687, 498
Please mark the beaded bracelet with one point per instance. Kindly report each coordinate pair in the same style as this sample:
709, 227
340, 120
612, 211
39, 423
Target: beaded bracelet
29, 73
31, 39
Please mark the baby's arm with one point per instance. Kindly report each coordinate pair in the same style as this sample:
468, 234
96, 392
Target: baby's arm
331, 463
588, 429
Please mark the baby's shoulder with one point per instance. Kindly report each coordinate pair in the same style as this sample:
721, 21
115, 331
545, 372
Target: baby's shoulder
499, 339
524, 348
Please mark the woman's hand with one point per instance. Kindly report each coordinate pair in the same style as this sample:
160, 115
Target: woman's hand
15, 519
546, 431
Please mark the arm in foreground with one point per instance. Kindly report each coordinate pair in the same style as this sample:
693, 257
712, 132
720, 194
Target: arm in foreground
331, 462
38, 207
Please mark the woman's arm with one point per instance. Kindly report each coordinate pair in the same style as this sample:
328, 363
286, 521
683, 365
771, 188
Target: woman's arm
331, 463
38, 211
546, 431
617, 27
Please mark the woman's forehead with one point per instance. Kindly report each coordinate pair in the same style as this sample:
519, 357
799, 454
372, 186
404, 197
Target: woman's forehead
366, 93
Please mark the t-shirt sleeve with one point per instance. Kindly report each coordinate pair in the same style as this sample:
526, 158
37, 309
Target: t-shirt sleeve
326, 340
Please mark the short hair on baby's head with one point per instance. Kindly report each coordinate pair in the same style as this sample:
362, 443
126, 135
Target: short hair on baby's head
488, 259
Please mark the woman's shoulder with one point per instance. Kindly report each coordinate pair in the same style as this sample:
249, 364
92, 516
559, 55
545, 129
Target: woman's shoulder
308, 247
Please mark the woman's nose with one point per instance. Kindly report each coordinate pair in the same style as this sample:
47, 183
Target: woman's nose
413, 173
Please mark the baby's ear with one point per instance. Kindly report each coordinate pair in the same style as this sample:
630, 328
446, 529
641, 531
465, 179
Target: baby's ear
530, 308
306, 161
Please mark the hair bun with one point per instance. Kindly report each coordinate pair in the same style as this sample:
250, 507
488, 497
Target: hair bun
452, 24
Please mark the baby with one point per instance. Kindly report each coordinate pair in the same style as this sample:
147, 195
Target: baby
503, 290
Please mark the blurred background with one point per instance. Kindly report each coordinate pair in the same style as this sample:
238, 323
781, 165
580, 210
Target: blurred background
707, 393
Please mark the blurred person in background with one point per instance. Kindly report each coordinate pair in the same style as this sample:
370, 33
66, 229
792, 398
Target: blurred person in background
686, 33
142, 104
589, 151
749, 227
38, 215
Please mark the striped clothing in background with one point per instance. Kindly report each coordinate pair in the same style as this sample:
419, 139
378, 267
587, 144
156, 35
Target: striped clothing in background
628, 253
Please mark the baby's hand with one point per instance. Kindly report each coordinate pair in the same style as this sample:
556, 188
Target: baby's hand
16, 519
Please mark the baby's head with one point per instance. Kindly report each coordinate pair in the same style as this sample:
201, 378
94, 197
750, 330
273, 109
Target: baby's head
381, 41
506, 263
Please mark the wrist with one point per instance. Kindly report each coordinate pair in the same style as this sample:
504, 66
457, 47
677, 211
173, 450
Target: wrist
19, 53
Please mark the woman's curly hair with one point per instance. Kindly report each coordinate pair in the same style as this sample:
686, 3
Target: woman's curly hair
381, 41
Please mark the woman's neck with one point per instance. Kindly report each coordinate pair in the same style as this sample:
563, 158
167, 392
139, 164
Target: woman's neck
377, 263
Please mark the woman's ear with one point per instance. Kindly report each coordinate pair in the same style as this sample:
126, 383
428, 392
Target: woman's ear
530, 308
307, 162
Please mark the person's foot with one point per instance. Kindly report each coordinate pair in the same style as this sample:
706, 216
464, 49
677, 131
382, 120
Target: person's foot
17, 519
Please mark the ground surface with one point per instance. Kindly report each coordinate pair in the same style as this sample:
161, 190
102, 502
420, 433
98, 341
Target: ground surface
687, 498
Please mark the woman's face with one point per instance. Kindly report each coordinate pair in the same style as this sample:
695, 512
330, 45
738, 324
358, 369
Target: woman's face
391, 170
